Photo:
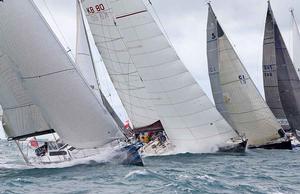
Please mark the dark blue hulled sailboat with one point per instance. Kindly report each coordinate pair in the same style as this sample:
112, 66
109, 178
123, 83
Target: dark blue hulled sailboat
281, 82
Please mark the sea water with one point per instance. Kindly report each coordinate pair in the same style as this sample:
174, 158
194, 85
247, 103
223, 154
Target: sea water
257, 171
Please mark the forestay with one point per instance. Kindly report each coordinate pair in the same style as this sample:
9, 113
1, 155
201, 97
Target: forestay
296, 44
235, 94
288, 80
21, 116
130, 41
54, 82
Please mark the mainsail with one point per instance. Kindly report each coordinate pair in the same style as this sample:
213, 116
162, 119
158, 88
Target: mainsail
52, 79
282, 85
235, 94
22, 118
296, 44
150, 78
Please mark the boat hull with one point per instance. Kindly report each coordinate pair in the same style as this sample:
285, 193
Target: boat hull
285, 145
235, 148
129, 155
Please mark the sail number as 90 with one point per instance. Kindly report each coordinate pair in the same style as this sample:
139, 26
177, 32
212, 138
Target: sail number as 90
95, 9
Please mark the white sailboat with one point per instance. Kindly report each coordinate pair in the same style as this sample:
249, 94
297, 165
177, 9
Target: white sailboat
152, 82
236, 95
60, 89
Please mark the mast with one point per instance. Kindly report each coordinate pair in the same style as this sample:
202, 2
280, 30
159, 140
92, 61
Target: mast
235, 94
104, 100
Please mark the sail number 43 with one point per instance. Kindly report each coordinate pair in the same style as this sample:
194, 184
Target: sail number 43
95, 9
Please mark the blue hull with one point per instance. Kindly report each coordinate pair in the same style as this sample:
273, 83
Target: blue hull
130, 155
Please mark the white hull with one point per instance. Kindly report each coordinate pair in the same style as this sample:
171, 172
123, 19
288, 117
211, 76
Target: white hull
69, 156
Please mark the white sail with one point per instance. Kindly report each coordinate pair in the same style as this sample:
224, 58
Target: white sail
54, 82
296, 44
21, 116
130, 41
85, 63
128, 84
235, 94
83, 58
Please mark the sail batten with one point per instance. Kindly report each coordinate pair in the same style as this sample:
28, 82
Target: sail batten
21, 116
235, 94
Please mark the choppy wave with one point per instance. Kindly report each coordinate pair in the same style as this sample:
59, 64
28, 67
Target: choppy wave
259, 171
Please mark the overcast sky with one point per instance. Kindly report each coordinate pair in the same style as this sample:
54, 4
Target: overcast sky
185, 23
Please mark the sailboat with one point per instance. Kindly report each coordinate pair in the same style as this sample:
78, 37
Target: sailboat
281, 82
236, 95
296, 62
154, 86
43, 75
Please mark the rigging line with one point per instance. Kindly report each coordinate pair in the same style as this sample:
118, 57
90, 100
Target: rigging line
150, 4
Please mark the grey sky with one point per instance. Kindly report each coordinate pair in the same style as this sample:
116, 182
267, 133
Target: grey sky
185, 24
